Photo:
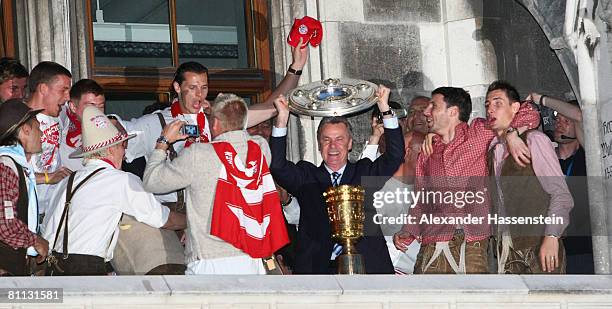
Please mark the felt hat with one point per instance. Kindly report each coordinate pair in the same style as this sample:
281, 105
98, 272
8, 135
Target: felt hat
14, 113
98, 133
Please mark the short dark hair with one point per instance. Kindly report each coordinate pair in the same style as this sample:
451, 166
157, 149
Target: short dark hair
334, 120
11, 68
192, 67
84, 86
456, 97
505, 86
44, 73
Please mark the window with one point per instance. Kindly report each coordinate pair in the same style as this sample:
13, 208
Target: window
135, 46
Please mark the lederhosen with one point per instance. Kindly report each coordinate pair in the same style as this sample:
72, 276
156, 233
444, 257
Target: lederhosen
14, 260
523, 196
65, 263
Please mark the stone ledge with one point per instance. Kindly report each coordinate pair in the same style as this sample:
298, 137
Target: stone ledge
570, 284
432, 284
94, 286
318, 285
249, 285
350, 292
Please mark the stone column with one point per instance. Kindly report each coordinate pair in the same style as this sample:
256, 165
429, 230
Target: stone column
302, 130
471, 58
587, 37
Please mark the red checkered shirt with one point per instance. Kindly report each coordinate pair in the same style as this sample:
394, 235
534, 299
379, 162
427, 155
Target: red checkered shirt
460, 165
13, 232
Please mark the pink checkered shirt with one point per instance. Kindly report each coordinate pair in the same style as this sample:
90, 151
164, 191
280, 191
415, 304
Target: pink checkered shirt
460, 165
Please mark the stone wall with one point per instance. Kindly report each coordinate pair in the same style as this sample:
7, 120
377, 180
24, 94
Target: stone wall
385, 48
522, 50
412, 47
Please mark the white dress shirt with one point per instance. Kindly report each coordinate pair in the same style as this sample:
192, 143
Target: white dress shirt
96, 208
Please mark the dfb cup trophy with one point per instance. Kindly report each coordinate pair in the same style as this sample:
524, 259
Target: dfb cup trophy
346, 216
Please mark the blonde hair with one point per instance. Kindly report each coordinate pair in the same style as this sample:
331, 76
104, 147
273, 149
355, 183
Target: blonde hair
231, 111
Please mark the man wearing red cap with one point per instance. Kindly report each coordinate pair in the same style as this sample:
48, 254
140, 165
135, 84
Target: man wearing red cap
19, 139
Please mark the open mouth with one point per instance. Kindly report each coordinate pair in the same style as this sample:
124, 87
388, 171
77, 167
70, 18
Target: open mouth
333, 153
197, 105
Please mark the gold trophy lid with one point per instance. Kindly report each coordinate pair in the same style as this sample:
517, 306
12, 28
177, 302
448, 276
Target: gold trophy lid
344, 192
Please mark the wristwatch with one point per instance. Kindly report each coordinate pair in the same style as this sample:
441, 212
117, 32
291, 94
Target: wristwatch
388, 112
162, 139
288, 201
294, 71
510, 130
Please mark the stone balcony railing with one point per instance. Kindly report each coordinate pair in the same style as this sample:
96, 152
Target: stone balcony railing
352, 292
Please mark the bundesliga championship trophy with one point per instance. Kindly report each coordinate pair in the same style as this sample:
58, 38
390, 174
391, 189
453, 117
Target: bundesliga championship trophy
333, 97
346, 216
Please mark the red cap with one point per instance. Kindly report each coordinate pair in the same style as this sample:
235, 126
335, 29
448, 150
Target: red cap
307, 28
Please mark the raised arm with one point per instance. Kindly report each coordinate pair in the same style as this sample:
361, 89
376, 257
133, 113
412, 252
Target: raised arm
570, 111
393, 156
264, 111
286, 173
161, 176
566, 109
370, 150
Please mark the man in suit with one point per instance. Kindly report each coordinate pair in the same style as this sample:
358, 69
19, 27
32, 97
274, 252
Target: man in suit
315, 251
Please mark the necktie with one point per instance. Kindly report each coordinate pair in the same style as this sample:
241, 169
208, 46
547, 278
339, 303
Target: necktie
337, 250
336, 179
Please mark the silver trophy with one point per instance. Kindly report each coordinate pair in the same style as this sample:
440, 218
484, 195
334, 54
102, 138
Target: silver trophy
333, 97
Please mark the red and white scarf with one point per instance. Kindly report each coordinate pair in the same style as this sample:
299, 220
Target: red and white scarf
247, 211
73, 138
175, 110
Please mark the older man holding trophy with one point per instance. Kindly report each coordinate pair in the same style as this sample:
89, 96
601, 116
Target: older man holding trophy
332, 209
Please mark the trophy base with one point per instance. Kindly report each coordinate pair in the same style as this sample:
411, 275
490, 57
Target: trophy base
350, 264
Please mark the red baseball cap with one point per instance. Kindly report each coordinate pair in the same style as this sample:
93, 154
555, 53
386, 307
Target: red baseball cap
308, 29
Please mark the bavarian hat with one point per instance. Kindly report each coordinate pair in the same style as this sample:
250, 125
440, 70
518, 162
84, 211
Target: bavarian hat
98, 133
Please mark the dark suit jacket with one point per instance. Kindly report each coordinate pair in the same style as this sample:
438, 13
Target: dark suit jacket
307, 183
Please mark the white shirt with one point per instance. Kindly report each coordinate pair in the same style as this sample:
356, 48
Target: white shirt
48, 160
96, 208
144, 143
149, 129
339, 171
402, 261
